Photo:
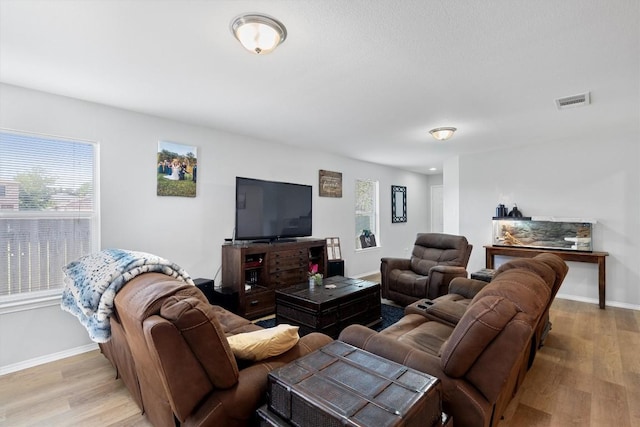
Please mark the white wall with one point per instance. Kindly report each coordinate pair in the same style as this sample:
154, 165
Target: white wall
451, 199
188, 231
595, 177
436, 181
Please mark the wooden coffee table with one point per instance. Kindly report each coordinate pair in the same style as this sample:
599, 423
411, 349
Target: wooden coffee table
329, 308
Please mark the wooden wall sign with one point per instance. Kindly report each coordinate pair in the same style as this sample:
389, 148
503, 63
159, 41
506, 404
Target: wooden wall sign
330, 184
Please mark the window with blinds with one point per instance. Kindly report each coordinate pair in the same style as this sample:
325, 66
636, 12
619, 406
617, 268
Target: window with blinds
48, 210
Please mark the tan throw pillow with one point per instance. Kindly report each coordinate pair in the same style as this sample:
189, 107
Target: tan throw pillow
258, 345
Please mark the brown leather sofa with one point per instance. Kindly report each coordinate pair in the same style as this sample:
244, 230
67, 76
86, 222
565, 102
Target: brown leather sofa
169, 347
450, 307
435, 260
481, 358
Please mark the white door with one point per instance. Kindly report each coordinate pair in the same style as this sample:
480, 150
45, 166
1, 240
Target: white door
437, 214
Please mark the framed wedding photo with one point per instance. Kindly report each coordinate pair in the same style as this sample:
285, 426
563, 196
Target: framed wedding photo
177, 169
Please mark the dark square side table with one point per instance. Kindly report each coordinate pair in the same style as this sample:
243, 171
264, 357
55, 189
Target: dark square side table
342, 385
486, 274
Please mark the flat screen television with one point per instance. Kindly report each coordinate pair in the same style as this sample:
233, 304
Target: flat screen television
271, 210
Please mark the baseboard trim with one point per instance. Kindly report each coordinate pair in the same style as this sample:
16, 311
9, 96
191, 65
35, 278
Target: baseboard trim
46, 359
371, 273
595, 301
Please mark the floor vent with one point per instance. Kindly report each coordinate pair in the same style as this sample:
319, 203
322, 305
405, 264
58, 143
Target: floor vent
573, 101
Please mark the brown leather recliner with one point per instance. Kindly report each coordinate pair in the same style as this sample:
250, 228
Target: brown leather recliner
560, 269
450, 307
481, 359
169, 346
435, 260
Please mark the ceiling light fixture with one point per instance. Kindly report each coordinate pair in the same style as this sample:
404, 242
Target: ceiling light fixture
442, 134
258, 33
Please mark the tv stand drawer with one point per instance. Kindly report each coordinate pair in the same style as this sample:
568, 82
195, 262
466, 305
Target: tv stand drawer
286, 260
259, 304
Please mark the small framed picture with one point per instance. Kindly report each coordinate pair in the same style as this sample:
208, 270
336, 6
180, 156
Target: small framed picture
333, 248
368, 240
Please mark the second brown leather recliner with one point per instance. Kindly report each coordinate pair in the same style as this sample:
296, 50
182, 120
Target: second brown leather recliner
435, 260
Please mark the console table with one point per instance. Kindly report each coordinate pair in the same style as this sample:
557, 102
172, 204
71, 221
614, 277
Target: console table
567, 255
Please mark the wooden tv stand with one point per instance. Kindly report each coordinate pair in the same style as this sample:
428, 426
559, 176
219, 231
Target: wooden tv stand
256, 270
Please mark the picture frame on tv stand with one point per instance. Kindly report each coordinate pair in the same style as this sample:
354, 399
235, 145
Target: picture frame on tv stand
333, 249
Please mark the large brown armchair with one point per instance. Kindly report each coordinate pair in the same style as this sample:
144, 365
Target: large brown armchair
436, 259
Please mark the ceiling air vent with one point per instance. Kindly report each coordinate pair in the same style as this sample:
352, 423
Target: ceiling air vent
573, 101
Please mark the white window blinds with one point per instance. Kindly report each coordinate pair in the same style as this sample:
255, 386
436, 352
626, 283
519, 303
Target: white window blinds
48, 209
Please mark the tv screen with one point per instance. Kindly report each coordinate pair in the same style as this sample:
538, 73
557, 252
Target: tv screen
272, 210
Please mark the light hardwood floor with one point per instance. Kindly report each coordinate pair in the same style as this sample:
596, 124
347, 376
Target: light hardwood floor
587, 374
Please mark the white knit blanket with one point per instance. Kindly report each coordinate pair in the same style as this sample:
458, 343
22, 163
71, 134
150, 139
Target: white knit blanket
91, 284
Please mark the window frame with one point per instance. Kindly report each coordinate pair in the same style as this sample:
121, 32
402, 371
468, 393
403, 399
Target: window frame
42, 298
376, 212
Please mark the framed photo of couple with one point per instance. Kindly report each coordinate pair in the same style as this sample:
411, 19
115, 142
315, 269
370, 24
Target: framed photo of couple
177, 170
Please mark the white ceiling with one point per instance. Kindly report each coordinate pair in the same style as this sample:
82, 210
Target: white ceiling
362, 78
